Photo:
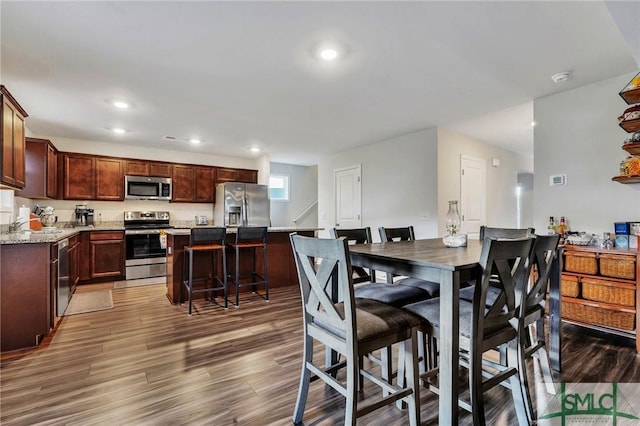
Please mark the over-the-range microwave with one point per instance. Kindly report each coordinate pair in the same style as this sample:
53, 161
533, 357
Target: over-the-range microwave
147, 188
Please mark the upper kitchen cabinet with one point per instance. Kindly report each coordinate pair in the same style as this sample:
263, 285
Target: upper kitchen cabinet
225, 174
12, 142
148, 168
205, 190
109, 179
79, 173
183, 183
193, 184
88, 177
41, 180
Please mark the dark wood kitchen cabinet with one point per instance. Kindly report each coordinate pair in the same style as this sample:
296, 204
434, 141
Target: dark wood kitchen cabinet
12, 144
106, 255
74, 261
204, 179
148, 168
109, 179
226, 174
41, 180
25, 294
183, 183
89, 177
79, 181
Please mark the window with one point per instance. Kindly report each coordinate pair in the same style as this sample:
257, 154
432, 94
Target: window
279, 187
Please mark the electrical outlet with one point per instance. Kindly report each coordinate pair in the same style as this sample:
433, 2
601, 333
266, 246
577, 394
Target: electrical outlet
425, 215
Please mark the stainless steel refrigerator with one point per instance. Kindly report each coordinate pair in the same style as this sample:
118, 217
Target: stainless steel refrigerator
242, 204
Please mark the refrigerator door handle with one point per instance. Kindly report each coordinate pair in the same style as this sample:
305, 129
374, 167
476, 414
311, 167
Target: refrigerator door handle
245, 215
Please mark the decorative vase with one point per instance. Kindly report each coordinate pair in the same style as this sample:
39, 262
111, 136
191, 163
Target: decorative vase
452, 223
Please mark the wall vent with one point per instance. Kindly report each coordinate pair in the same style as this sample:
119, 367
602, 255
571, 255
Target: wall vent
169, 138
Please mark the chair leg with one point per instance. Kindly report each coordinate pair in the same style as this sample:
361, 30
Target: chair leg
476, 388
360, 377
237, 276
519, 385
224, 278
266, 280
351, 403
410, 362
305, 379
543, 357
190, 280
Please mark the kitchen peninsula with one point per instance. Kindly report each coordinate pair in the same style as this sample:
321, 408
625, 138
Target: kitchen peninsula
281, 265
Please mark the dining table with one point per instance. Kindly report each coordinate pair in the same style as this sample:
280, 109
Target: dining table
432, 260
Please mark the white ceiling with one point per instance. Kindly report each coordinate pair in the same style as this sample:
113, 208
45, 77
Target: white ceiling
239, 74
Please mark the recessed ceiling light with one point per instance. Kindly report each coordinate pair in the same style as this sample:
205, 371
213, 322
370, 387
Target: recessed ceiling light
118, 130
533, 123
254, 149
195, 141
120, 104
561, 77
328, 54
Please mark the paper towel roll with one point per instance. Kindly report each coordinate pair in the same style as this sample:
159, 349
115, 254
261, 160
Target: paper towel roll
23, 216
6, 206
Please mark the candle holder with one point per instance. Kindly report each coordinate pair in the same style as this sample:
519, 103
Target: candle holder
452, 223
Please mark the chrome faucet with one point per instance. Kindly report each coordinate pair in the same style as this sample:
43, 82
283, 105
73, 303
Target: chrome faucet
15, 226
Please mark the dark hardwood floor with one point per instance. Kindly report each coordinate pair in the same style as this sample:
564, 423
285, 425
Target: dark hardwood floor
146, 362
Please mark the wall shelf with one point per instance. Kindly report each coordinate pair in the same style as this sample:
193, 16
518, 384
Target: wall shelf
631, 126
626, 179
632, 148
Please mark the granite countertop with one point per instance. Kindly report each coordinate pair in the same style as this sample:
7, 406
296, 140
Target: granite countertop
54, 235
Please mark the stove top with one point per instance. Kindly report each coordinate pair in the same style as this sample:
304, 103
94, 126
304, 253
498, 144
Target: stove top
147, 220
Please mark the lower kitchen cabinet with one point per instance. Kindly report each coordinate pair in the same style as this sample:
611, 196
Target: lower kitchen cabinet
25, 294
106, 255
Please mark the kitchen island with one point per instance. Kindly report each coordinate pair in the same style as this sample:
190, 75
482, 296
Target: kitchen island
281, 266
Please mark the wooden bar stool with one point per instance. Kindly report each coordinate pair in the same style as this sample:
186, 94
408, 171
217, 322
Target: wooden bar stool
206, 240
250, 238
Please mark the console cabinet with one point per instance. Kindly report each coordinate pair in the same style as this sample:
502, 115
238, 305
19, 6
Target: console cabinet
12, 144
600, 289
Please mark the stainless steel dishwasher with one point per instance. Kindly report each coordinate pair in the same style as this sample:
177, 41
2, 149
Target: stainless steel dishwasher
64, 286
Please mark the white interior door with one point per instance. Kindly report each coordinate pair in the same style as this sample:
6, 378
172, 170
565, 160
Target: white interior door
348, 197
473, 194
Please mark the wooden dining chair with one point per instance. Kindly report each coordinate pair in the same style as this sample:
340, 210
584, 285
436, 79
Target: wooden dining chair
352, 327
490, 232
532, 312
505, 265
407, 234
356, 236
393, 294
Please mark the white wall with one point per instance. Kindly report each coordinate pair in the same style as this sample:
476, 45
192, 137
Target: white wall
501, 181
303, 191
399, 182
577, 133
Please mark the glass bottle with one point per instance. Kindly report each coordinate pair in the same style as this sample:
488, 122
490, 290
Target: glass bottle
551, 227
452, 219
562, 227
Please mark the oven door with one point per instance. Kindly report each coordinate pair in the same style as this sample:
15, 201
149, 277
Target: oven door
144, 245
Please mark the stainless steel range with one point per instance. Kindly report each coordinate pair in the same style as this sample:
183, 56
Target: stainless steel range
146, 255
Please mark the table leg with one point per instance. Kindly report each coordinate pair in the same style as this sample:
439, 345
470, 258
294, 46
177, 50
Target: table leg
449, 347
555, 314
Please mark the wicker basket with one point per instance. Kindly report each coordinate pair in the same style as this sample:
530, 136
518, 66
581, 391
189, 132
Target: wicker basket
582, 262
569, 286
608, 292
618, 266
577, 311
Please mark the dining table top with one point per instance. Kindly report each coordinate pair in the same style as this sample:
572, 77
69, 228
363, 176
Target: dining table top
429, 252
